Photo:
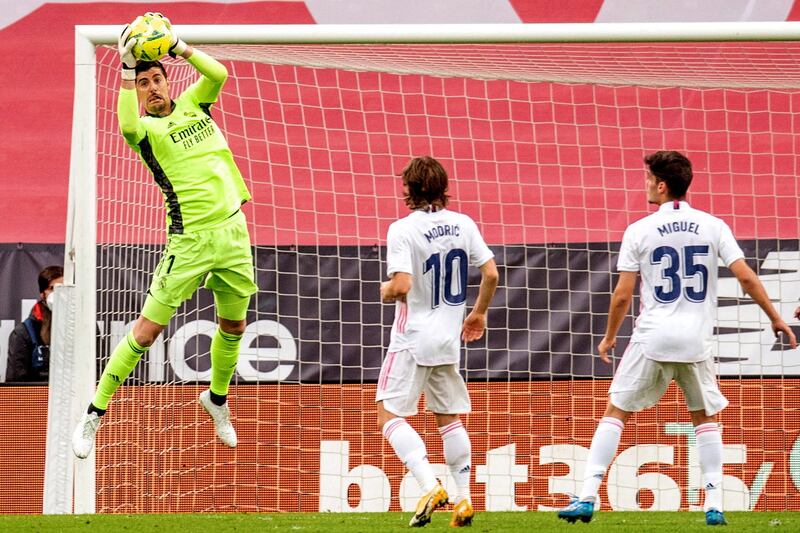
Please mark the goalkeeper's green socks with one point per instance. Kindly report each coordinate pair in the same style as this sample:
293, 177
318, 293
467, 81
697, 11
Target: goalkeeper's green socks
224, 356
123, 360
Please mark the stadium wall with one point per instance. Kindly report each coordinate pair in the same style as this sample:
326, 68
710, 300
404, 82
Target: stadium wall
296, 454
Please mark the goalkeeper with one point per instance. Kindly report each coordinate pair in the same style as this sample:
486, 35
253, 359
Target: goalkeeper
208, 241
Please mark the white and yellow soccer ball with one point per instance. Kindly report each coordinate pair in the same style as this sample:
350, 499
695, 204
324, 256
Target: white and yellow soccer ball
152, 37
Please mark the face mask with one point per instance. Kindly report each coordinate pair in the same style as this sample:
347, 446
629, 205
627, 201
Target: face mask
48, 301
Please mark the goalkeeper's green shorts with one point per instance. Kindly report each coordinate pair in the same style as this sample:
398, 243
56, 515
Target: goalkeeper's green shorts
220, 256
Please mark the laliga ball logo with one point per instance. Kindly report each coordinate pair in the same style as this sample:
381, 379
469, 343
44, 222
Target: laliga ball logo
152, 37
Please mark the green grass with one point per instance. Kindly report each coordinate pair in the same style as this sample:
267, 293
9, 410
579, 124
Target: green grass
536, 522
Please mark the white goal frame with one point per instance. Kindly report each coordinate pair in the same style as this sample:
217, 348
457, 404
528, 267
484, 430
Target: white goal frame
70, 483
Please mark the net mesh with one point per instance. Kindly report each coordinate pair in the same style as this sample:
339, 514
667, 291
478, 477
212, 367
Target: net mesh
544, 146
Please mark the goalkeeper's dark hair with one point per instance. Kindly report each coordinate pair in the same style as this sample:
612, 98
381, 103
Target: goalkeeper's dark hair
426, 180
673, 168
144, 66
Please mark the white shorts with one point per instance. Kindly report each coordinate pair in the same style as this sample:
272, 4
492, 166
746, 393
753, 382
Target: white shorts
402, 381
640, 382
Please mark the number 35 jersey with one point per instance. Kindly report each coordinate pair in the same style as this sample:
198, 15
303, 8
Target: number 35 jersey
436, 248
675, 250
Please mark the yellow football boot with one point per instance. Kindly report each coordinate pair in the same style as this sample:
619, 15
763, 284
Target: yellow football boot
431, 501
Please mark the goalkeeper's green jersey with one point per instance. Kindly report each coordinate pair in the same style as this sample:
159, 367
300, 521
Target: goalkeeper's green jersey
190, 160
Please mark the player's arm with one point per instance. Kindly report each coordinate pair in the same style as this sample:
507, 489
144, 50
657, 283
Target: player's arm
475, 323
213, 73
397, 287
752, 286
617, 310
127, 103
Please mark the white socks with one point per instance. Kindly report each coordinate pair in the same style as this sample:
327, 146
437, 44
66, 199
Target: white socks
601, 453
458, 454
408, 446
709, 450
604, 448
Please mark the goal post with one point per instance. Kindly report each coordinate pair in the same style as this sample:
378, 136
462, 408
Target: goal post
69, 485
542, 129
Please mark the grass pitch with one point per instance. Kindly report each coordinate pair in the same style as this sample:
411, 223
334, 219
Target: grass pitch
537, 522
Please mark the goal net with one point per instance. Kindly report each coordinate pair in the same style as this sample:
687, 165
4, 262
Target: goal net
544, 145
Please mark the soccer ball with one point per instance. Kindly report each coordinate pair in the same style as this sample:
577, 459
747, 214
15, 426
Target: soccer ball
152, 37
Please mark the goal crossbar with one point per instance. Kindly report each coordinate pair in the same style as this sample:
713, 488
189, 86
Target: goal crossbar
468, 33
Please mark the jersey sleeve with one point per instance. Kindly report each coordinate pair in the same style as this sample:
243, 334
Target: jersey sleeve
729, 250
628, 259
213, 76
130, 124
479, 252
398, 251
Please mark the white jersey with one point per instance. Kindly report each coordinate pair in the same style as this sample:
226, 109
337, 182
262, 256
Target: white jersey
675, 250
436, 248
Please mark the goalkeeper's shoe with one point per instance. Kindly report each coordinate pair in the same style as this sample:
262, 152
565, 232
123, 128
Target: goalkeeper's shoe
431, 501
462, 514
714, 517
577, 510
222, 418
83, 436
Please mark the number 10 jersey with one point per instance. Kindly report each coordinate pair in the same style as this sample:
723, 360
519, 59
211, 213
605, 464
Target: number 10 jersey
675, 250
436, 247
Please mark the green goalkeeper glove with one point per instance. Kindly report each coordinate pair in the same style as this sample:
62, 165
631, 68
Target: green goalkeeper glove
125, 48
177, 45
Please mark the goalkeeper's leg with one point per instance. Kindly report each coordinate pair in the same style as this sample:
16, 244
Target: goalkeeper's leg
123, 360
231, 311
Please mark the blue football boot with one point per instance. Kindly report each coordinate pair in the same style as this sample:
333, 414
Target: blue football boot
577, 510
714, 517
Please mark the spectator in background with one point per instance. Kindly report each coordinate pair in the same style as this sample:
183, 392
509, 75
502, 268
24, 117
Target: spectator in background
29, 343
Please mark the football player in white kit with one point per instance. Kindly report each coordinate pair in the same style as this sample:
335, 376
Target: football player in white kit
428, 255
675, 252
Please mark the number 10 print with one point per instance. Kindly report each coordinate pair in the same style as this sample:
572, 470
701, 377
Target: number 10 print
450, 296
